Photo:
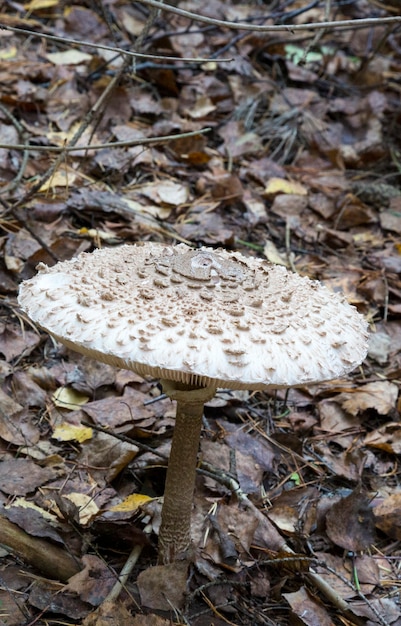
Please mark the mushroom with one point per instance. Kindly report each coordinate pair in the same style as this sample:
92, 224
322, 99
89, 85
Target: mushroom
198, 320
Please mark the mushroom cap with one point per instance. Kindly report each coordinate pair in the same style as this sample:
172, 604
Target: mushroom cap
200, 317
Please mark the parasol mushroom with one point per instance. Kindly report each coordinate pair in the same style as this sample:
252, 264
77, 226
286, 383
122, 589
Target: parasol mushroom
198, 320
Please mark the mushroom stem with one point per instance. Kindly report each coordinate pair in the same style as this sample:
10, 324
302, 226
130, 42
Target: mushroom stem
175, 529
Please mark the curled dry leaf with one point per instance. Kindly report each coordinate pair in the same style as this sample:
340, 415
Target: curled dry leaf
387, 438
93, 583
381, 396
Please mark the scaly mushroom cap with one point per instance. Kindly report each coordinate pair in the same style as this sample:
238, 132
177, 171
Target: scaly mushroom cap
202, 317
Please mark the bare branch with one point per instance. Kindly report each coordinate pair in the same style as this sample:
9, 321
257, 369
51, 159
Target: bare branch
126, 53
114, 144
338, 25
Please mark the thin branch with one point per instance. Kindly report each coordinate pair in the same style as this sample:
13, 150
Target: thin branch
114, 144
87, 44
339, 24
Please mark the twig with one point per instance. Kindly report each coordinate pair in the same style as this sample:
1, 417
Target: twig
53, 561
118, 51
331, 594
123, 576
339, 24
358, 592
113, 144
215, 610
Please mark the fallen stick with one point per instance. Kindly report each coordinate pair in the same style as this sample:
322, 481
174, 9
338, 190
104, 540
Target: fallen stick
50, 560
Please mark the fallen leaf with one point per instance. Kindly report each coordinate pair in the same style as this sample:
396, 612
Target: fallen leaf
308, 608
106, 456
166, 192
163, 587
387, 438
388, 515
116, 614
201, 108
70, 432
87, 507
34, 521
381, 396
93, 583
59, 179
131, 503
273, 255
13, 343
37, 5
349, 522
281, 185
18, 477
67, 398
68, 57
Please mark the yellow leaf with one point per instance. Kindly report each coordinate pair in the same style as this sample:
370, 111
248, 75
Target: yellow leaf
281, 185
131, 503
87, 507
37, 5
67, 398
8, 53
96, 234
59, 179
70, 432
26, 504
273, 255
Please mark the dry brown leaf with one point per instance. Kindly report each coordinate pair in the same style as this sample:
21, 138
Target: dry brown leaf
17, 425
295, 509
349, 522
18, 477
387, 438
341, 576
94, 582
109, 614
116, 411
13, 343
347, 463
309, 610
381, 396
237, 142
106, 456
388, 516
116, 614
163, 587
333, 419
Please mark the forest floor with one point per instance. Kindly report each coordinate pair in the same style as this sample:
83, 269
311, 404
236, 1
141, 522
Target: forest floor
300, 163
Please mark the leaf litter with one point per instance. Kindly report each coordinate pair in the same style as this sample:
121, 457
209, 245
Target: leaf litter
297, 505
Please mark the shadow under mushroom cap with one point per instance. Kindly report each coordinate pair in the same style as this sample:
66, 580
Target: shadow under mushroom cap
198, 316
